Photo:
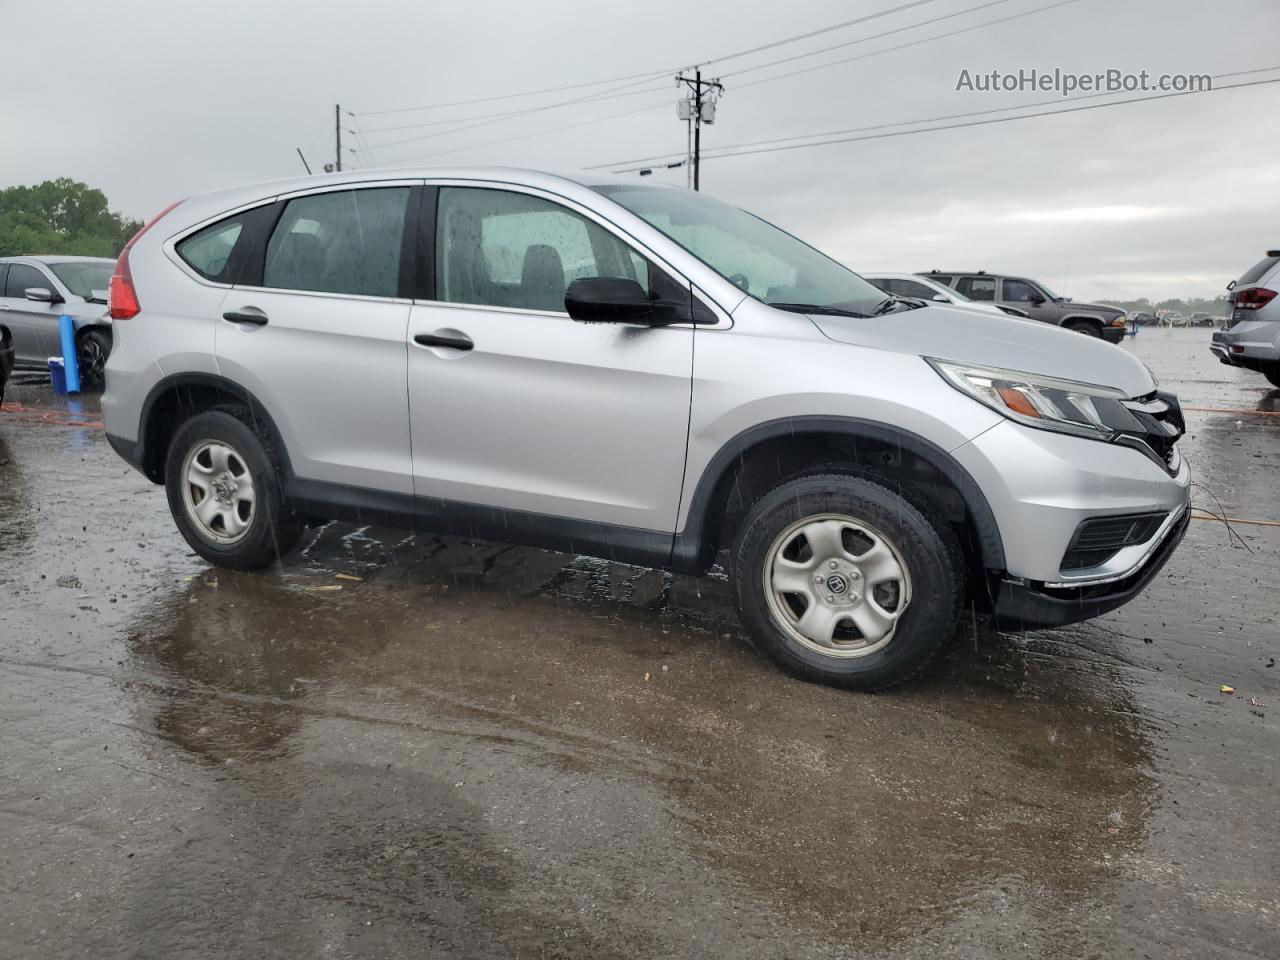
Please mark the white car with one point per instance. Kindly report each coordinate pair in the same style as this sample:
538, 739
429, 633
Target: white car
922, 288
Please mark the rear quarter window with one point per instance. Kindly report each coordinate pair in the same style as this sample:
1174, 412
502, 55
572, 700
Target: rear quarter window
1258, 271
223, 252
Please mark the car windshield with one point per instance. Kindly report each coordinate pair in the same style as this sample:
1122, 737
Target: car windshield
83, 278
761, 260
1047, 292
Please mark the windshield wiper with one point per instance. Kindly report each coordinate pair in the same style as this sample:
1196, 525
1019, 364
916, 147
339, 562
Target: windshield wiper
890, 304
818, 309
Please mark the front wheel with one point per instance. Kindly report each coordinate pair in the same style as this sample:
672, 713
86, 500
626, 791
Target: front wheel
844, 581
223, 482
91, 356
1083, 326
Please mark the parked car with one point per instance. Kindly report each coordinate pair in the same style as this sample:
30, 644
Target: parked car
1200, 320
413, 350
1252, 340
6, 358
1142, 318
922, 288
38, 290
1037, 301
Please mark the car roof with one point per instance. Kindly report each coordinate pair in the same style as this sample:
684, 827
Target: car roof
200, 207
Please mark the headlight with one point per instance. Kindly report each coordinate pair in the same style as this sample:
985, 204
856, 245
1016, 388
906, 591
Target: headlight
1080, 409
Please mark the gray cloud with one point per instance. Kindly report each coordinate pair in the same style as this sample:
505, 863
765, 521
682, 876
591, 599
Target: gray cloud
156, 100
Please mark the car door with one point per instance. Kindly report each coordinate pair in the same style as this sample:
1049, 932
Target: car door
561, 425
980, 288
1028, 298
34, 325
319, 336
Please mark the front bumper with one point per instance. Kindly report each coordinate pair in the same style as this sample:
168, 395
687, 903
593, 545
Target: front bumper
1115, 334
1041, 486
1019, 605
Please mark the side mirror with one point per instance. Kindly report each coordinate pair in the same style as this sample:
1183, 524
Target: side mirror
608, 300
41, 295
939, 298
1036, 301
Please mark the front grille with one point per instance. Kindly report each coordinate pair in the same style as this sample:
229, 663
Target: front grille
1159, 417
1098, 540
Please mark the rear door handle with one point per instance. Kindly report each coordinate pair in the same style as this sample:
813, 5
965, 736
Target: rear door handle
453, 341
250, 316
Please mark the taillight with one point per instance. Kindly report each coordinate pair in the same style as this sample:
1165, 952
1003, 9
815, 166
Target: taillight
123, 299
1254, 298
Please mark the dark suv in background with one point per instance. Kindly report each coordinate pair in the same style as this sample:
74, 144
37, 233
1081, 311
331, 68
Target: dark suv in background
1037, 301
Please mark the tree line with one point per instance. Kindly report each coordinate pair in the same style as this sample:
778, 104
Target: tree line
64, 217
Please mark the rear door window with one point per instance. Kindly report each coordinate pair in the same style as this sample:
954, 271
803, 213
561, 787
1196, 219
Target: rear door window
344, 242
977, 288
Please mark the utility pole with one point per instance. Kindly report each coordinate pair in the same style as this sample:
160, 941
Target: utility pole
337, 133
703, 110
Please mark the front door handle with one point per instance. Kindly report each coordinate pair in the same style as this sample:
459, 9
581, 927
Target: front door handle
250, 316
455, 341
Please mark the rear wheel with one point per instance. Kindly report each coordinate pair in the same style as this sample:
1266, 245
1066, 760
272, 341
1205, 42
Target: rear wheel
844, 581
1272, 373
92, 349
223, 482
1087, 327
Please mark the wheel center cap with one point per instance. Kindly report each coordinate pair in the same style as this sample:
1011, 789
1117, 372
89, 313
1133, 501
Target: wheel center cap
836, 583
221, 490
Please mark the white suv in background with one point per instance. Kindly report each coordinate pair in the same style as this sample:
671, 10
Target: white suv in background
922, 288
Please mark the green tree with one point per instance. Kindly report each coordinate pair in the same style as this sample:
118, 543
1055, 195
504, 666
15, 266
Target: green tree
61, 217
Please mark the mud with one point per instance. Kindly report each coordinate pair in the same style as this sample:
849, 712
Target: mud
397, 746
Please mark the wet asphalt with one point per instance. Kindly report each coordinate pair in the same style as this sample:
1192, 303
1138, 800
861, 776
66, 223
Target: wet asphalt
416, 746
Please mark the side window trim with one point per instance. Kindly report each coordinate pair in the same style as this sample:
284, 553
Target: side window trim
257, 254
704, 303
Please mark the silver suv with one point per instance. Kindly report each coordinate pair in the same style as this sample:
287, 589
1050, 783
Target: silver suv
1252, 340
643, 374
36, 291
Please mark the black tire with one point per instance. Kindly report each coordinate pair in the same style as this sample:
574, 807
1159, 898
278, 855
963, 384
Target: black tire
925, 544
92, 349
1272, 373
272, 529
1087, 327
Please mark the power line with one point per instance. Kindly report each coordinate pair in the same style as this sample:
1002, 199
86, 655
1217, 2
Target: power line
467, 122
654, 74
531, 110
665, 104
904, 46
919, 120
814, 33
869, 37
524, 93
972, 123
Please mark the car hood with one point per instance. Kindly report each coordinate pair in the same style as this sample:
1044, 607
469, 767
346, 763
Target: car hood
972, 336
1095, 307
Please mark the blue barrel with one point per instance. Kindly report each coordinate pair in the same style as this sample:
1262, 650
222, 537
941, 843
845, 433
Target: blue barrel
70, 365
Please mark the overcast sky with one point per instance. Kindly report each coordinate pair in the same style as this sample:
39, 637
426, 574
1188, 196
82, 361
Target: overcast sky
152, 100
